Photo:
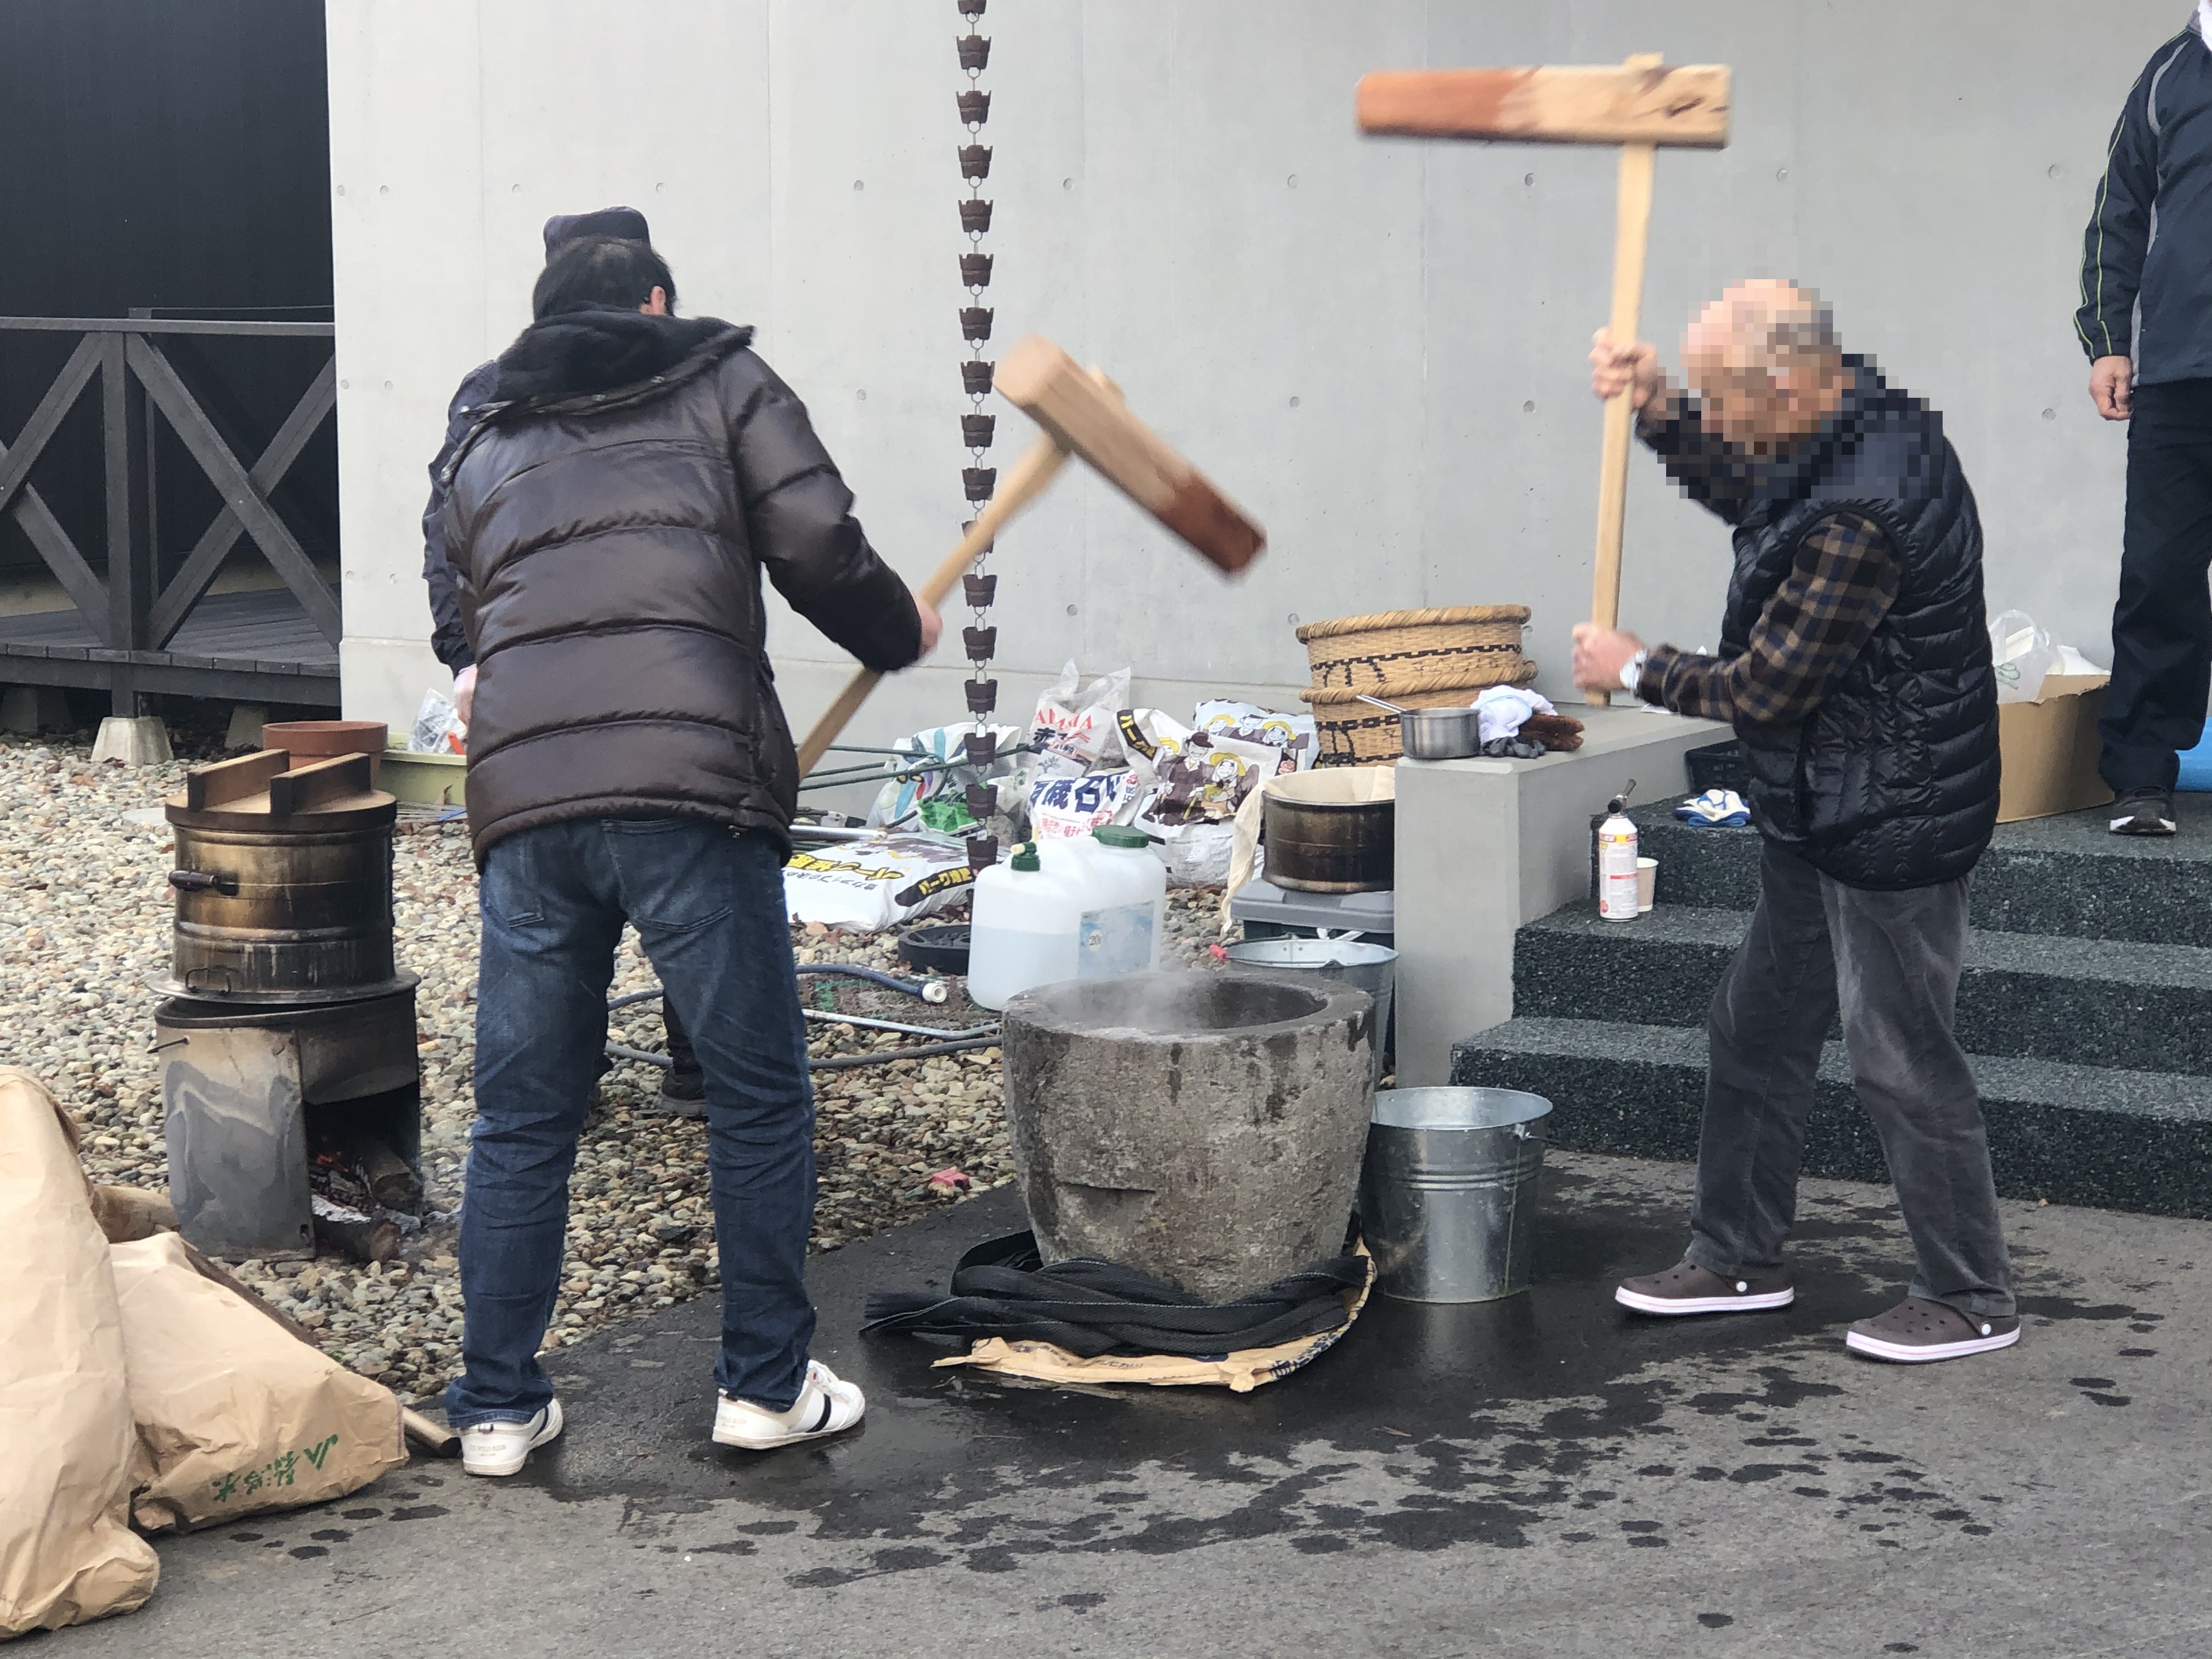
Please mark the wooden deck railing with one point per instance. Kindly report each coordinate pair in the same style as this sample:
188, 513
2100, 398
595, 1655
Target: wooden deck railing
131, 612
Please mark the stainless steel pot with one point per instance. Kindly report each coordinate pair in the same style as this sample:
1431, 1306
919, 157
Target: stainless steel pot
1435, 733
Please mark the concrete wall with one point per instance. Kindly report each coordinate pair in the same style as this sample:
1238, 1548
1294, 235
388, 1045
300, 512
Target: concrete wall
1376, 345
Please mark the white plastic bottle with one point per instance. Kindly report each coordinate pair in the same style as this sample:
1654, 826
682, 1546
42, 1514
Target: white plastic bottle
1616, 863
1125, 935
1023, 932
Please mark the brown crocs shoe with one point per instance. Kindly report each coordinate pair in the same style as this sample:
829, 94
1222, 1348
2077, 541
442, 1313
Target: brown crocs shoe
1916, 1331
1687, 1288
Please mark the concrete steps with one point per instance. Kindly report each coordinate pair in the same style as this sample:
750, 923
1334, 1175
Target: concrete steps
2086, 1003
2065, 876
2033, 996
2074, 1134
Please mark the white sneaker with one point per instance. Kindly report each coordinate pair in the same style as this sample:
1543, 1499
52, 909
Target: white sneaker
827, 1405
504, 1448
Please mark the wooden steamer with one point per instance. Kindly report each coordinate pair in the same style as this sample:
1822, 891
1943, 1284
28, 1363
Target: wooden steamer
288, 1033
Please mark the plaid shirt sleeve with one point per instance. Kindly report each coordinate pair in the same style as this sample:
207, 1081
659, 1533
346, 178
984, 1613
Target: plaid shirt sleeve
1840, 586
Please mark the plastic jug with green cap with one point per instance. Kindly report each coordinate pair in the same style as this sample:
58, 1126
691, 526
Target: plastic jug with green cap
1024, 930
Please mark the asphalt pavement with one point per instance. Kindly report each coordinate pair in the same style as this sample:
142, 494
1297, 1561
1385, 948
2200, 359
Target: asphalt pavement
1543, 1475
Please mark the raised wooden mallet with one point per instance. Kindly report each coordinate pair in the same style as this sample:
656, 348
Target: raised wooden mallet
1639, 106
1083, 415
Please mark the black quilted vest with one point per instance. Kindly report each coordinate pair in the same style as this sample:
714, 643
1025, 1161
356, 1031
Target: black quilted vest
1892, 782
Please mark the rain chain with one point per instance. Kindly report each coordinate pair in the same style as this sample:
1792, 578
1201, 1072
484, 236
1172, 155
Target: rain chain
977, 481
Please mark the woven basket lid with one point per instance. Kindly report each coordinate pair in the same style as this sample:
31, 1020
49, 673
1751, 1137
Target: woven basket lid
1448, 615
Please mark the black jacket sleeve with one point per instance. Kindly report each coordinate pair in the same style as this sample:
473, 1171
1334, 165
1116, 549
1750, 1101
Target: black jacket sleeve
798, 516
2119, 223
447, 637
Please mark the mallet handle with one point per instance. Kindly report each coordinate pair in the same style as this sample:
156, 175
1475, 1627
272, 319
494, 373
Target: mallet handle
1023, 484
1631, 234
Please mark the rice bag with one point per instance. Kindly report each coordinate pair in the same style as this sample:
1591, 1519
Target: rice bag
867, 885
1247, 722
1210, 778
1063, 808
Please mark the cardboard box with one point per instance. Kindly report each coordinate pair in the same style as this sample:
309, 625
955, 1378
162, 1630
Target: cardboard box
2049, 749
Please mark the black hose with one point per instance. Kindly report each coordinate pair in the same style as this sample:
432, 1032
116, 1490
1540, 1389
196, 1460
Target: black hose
913, 987
834, 1063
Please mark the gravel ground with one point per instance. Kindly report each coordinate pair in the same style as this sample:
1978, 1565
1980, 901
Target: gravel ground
85, 916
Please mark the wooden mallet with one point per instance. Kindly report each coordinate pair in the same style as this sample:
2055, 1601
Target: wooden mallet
1082, 413
1639, 106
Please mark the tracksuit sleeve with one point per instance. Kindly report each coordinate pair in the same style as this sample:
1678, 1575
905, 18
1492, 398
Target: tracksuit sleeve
2118, 235
449, 639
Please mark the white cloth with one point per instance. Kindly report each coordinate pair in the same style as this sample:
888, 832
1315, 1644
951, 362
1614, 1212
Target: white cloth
2205, 21
1505, 708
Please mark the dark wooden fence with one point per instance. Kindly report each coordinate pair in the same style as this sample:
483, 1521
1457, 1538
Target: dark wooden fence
142, 622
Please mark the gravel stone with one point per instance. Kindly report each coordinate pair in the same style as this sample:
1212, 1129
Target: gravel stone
85, 917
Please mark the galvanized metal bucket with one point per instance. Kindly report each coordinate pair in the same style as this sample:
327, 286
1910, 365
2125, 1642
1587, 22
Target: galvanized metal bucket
1371, 967
1448, 1195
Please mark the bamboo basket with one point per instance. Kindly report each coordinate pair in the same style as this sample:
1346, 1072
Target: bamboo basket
1464, 646
1417, 658
1351, 733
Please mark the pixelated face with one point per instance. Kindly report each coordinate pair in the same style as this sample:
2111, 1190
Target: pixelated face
1752, 409
1759, 393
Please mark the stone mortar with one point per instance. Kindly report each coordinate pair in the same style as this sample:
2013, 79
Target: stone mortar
1203, 1127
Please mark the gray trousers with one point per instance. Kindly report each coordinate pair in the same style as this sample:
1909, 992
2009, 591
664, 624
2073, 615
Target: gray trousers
1891, 962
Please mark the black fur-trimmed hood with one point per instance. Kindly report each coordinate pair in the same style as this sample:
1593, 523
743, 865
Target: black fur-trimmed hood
589, 354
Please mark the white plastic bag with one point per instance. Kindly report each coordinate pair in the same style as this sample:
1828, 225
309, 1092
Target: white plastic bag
2023, 654
866, 885
438, 728
1196, 855
1081, 725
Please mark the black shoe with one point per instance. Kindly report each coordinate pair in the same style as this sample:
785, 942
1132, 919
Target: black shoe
682, 1094
2143, 813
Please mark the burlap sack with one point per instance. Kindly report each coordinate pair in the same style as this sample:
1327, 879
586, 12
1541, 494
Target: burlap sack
67, 1553
236, 1415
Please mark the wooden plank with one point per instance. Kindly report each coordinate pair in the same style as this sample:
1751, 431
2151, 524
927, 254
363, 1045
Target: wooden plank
1049, 386
168, 325
239, 491
45, 420
308, 787
57, 627
205, 560
1687, 105
233, 683
232, 780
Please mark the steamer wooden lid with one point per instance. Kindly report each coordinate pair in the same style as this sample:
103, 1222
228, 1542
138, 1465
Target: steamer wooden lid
265, 791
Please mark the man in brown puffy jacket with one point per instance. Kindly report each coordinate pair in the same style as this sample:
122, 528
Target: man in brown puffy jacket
609, 517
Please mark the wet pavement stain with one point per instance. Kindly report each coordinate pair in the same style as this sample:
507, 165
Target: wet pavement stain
1549, 1417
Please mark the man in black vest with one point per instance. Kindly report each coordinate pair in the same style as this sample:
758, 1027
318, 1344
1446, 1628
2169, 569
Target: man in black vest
1855, 665
2146, 323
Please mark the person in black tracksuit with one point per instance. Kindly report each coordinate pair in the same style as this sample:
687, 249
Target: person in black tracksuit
2146, 322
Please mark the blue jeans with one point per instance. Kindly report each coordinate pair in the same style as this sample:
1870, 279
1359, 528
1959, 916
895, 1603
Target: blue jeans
708, 903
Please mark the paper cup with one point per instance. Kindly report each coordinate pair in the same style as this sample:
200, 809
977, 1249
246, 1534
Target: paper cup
1647, 884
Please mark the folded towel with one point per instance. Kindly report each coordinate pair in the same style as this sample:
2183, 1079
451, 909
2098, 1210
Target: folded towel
1504, 708
1720, 809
